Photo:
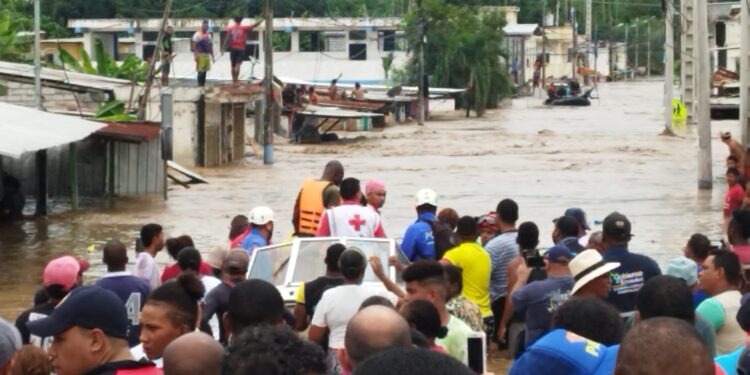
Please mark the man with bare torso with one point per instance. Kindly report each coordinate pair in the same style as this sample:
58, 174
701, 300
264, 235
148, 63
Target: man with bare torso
735, 150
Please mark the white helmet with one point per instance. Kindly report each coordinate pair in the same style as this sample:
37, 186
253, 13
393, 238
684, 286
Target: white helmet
261, 215
426, 196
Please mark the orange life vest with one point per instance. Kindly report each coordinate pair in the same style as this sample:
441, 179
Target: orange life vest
311, 205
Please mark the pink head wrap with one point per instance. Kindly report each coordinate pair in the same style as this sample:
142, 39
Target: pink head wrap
374, 185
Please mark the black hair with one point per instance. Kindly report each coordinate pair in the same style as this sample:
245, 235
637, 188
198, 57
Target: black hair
352, 264
467, 226
254, 302
528, 236
357, 85
238, 19
741, 222
176, 244
376, 301
332, 257
454, 275
189, 259
730, 263
115, 255
272, 350
507, 210
734, 171
665, 296
181, 295
733, 158
428, 208
422, 315
238, 226
148, 232
591, 318
663, 345
424, 270
699, 245
349, 188
412, 361
333, 81
418, 340
567, 226
56, 291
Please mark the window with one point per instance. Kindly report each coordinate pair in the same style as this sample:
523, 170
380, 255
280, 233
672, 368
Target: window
357, 34
387, 40
282, 41
334, 41
358, 51
311, 41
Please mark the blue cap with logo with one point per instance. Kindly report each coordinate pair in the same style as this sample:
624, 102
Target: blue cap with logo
559, 254
87, 307
579, 215
565, 353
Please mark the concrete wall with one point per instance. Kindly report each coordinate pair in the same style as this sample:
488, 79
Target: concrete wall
23, 94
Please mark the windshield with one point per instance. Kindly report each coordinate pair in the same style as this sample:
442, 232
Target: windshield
311, 259
271, 264
380, 249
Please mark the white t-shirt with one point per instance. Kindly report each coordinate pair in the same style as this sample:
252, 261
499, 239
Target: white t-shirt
146, 268
210, 282
338, 305
139, 354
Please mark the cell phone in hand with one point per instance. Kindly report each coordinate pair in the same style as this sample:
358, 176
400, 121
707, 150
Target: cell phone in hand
476, 352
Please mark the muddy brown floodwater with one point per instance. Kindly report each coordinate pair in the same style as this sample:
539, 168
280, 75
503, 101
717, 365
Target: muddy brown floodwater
602, 158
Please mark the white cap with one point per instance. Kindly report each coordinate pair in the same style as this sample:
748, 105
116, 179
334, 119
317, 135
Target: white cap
261, 215
426, 196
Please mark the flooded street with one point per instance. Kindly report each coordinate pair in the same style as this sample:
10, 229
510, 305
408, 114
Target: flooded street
602, 158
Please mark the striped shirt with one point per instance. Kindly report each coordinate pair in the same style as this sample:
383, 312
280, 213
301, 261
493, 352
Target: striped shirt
502, 249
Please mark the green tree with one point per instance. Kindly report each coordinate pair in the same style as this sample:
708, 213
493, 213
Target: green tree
464, 50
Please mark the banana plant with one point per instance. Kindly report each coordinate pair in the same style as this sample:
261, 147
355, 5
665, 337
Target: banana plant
132, 68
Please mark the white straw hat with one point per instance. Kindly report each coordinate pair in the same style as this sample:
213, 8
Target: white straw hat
587, 266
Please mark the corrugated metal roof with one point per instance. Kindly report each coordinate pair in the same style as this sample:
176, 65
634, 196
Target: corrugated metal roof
521, 29
26, 129
193, 24
131, 131
59, 79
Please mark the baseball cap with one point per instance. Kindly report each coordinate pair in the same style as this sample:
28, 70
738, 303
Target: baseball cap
683, 268
62, 271
215, 257
587, 266
616, 226
86, 307
579, 215
10, 341
426, 196
565, 353
558, 254
487, 221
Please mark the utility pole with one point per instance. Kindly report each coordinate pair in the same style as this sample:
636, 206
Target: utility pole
745, 76
668, 65
703, 92
637, 47
145, 99
270, 110
687, 79
627, 51
589, 34
648, 50
544, 45
420, 116
40, 158
575, 40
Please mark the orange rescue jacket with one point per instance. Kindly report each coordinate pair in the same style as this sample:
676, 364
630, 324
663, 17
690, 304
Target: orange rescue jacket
311, 205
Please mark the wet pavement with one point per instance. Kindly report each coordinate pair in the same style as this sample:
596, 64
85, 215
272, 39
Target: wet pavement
602, 158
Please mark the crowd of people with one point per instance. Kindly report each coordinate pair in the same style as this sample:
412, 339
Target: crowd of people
587, 305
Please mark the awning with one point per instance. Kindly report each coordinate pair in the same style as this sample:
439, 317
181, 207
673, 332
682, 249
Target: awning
26, 129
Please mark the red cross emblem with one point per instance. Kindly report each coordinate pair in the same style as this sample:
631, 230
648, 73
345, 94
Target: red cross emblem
356, 222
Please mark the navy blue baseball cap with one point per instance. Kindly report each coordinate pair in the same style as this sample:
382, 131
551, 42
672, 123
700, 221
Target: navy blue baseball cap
565, 353
86, 307
579, 215
559, 254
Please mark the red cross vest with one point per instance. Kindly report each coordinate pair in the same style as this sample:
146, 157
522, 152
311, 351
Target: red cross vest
352, 220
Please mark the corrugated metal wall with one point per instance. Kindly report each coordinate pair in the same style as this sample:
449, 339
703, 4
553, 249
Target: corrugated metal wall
138, 168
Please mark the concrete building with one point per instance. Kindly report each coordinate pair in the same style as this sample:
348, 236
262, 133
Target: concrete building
312, 49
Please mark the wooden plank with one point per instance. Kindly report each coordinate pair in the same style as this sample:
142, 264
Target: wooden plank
239, 132
186, 172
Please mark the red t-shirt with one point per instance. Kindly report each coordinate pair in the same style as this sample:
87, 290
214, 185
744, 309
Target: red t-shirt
733, 199
173, 270
237, 35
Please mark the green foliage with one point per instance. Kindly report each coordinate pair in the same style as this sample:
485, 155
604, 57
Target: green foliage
11, 47
464, 49
132, 68
113, 111
282, 41
387, 64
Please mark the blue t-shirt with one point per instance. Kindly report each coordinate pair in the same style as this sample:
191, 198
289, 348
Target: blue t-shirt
132, 291
253, 240
627, 280
564, 353
538, 301
418, 242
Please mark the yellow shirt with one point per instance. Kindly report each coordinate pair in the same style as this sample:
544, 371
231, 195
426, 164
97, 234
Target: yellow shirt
477, 266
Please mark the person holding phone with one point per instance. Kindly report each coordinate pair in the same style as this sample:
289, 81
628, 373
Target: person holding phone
539, 300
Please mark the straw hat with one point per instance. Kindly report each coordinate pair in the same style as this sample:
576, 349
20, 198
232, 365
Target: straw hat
587, 266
